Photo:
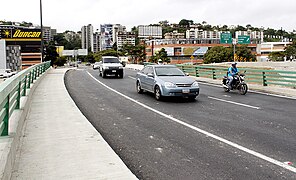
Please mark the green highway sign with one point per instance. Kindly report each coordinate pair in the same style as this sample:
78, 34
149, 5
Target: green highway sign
226, 38
243, 40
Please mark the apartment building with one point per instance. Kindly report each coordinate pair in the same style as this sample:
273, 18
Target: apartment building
125, 38
150, 32
115, 30
97, 42
174, 35
87, 37
106, 41
10, 56
47, 34
268, 47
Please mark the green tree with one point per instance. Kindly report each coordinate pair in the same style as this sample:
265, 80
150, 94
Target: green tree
90, 57
60, 61
135, 52
240, 28
276, 56
50, 53
26, 24
185, 23
60, 40
135, 31
97, 56
218, 54
163, 55
73, 42
244, 53
290, 51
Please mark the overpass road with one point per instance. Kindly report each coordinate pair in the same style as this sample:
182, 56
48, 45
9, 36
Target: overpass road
218, 136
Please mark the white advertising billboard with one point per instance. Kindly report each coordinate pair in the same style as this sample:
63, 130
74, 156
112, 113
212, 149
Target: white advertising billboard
79, 52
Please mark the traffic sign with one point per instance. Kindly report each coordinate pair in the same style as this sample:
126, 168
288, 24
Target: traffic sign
226, 38
243, 40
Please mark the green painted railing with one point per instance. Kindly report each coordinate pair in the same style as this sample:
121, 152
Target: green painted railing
259, 76
148, 63
13, 89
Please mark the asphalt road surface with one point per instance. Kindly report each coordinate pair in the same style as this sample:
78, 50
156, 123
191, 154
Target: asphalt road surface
218, 136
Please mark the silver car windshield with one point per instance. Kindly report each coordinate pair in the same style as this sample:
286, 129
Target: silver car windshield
111, 60
168, 71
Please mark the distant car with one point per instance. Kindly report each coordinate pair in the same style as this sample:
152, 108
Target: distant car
166, 80
88, 64
110, 65
96, 65
6, 73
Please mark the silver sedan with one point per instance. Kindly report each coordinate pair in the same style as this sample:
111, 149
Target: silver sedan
166, 80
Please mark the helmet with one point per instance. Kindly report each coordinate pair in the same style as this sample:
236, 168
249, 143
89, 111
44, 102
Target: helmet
234, 63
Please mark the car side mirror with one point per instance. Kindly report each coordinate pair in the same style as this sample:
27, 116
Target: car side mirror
150, 75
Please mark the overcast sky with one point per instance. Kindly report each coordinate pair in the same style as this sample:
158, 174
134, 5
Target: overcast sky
73, 14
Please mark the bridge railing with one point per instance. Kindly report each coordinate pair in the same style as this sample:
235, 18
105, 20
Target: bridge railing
13, 89
264, 77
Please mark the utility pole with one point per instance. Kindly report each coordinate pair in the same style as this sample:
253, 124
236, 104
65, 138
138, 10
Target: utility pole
41, 25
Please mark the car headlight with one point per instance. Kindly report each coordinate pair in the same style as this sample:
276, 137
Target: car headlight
106, 67
169, 85
120, 67
195, 84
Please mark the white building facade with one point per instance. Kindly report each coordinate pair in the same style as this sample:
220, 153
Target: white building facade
150, 32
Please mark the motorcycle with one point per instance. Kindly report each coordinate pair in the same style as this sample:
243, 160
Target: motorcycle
238, 83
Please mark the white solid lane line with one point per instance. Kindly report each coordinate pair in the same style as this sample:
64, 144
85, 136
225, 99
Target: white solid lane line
132, 77
232, 102
249, 151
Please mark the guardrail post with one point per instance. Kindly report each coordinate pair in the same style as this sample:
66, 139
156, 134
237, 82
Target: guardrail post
29, 80
214, 74
196, 71
25, 86
35, 74
6, 118
264, 78
38, 71
18, 98
32, 76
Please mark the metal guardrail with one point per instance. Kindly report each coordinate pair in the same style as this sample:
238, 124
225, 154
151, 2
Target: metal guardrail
13, 89
148, 63
260, 76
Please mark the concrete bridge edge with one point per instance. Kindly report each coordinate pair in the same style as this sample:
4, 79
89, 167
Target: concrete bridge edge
10, 144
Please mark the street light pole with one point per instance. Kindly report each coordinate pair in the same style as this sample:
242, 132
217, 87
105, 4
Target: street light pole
41, 25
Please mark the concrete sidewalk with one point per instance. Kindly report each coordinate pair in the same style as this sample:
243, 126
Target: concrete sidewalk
58, 141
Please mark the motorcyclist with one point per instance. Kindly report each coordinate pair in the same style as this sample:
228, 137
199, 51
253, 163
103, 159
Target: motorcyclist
232, 70
160, 62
